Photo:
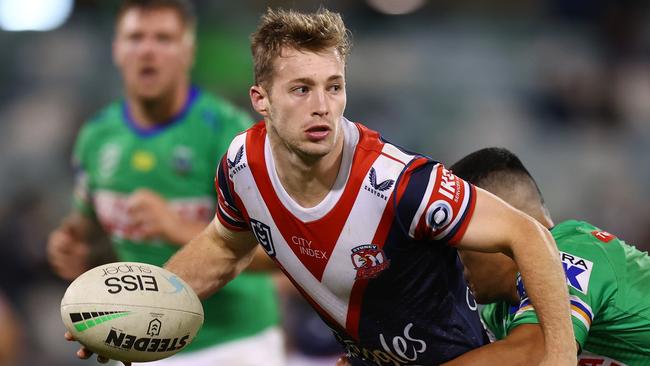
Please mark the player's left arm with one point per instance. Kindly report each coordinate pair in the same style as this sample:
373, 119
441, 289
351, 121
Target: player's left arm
523, 346
496, 226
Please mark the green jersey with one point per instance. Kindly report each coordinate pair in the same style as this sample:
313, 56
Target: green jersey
178, 160
609, 288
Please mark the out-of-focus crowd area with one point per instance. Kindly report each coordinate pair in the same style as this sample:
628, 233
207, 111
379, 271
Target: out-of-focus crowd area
565, 84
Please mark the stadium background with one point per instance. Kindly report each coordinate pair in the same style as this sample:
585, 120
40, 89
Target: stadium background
563, 83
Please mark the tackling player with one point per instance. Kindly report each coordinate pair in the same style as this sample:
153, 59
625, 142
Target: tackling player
608, 280
145, 168
367, 232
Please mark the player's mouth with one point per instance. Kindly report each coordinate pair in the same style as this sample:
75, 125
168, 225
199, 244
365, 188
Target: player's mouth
317, 133
148, 73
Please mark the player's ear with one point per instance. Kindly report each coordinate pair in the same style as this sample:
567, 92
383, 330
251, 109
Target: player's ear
259, 99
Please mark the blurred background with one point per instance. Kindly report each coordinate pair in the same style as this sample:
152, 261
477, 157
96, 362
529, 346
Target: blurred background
565, 84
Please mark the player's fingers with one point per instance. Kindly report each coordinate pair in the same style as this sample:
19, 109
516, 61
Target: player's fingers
343, 361
102, 359
58, 241
83, 353
68, 336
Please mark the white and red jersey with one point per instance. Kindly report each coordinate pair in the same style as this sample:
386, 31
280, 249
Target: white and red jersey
375, 258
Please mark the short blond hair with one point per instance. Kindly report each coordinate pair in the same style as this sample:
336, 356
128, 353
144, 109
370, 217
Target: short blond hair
288, 28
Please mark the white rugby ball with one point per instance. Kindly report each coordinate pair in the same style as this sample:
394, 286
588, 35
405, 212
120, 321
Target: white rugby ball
131, 311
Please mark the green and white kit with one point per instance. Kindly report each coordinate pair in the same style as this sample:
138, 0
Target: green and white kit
178, 161
609, 288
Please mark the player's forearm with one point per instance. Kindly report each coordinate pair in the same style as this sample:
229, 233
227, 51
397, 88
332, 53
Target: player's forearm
185, 230
524, 346
538, 260
206, 263
494, 354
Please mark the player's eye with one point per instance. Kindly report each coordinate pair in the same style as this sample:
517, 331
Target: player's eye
335, 88
301, 90
164, 38
135, 37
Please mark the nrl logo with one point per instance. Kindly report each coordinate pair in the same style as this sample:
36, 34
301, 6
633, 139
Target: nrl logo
369, 261
378, 189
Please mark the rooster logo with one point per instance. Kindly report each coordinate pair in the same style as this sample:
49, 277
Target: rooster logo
369, 261
238, 156
383, 186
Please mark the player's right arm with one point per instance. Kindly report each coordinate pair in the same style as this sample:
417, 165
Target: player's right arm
68, 248
213, 258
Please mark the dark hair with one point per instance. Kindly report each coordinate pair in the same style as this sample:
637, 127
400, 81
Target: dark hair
479, 166
289, 28
184, 8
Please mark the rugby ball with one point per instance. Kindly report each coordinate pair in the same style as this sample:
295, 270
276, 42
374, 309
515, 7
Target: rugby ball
131, 311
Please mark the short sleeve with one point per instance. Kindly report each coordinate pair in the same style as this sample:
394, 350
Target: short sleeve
591, 282
82, 194
436, 205
228, 211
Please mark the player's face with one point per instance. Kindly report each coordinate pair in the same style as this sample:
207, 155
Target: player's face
304, 104
490, 276
154, 52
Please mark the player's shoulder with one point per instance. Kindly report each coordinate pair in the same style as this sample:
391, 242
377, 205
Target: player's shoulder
582, 238
104, 119
371, 140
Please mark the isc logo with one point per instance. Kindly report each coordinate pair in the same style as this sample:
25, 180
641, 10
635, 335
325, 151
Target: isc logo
131, 283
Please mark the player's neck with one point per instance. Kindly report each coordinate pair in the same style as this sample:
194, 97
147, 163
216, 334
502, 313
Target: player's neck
150, 112
307, 181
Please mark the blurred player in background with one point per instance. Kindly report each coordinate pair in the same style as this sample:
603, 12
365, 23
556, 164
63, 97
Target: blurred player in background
366, 231
608, 280
145, 174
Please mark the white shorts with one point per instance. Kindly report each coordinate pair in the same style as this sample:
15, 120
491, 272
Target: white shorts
266, 348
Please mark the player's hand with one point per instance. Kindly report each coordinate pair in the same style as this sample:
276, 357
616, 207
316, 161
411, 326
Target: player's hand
67, 253
343, 361
152, 217
84, 353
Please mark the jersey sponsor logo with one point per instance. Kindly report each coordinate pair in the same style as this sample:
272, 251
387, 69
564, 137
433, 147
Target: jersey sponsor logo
400, 350
577, 271
375, 188
143, 161
109, 159
182, 160
305, 248
439, 214
262, 233
471, 301
404, 346
369, 261
603, 236
589, 359
234, 166
112, 210
448, 187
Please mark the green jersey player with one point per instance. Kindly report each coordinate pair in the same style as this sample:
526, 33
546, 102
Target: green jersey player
608, 280
145, 170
